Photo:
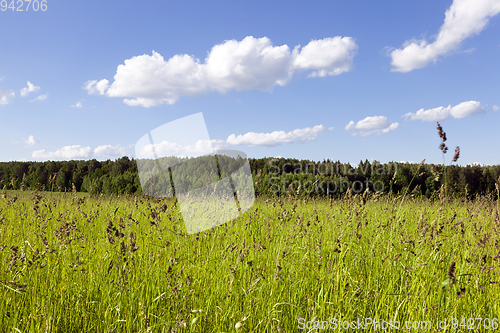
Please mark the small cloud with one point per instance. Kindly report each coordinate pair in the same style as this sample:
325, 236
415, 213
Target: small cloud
471, 50
277, 137
40, 98
496, 108
31, 141
371, 125
166, 148
110, 151
5, 96
477, 164
77, 105
95, 87
30, 88
67, 152
219, 144
461, 110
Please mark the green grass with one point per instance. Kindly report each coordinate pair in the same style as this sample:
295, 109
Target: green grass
69, 264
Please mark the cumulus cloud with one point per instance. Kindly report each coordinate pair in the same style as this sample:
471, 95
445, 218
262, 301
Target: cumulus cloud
40, 98
371, 125
5, 96
77, 105
277, 137
31, 141
496, 108
68, 152
329, 56
30, 88
249, 64
461, 110
463, 19
110, 151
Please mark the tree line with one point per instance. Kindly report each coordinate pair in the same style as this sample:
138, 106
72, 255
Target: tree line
271, 176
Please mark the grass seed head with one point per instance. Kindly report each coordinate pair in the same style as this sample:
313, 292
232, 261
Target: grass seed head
441, 134
457, 154
451, 272
420, 165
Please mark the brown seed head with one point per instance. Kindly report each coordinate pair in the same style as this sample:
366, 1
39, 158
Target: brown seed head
451, 272
457, 154
420, 165
441, 134
440, 129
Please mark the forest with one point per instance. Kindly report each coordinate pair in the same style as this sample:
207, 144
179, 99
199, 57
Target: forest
272, 177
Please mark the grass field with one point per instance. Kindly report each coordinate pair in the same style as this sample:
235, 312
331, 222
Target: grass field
75, 263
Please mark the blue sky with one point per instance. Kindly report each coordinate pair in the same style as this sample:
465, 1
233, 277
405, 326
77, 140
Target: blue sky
345, 80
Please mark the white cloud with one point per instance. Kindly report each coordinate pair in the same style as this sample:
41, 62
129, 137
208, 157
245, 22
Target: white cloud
40, 98
496, 108
77, 105
371, 125
461, 110
463, 19
219, 144
477, 164
31, 141
329, 56
203, 147
68, 152
277, 137
30, 88
166, 148
95, 87
252, 63
110, 151
5, 96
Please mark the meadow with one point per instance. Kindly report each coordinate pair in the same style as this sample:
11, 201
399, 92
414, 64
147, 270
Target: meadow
72, 262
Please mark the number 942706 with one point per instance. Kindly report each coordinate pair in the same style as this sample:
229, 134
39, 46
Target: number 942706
23, 5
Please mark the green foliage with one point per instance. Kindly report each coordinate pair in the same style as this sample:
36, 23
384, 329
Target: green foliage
317, 179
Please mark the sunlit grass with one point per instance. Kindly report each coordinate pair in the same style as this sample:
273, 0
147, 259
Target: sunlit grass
81, 263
